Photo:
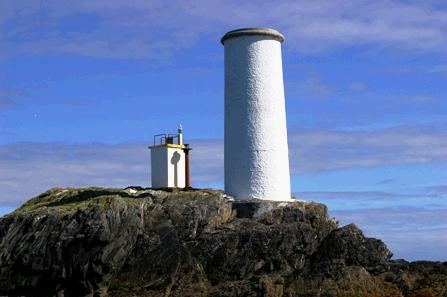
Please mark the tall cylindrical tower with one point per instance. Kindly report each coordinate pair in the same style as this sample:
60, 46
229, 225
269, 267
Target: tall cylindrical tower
256, 152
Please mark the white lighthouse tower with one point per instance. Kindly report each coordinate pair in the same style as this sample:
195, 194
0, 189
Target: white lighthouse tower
170, 161
256, 151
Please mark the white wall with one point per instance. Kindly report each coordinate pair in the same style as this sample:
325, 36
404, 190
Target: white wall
167, 167
159, 168
256, 150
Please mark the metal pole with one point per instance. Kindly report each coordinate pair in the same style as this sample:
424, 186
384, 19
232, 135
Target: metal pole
187, 182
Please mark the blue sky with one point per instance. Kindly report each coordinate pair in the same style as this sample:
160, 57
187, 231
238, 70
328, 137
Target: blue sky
85, 84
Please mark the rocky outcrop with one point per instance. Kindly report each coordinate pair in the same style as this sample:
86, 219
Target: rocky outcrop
144, 242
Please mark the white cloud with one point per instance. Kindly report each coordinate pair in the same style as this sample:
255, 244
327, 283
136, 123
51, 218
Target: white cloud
43, 165
357, 86
357, 196
28, 169
438, 189
440, 69
415, 98
413, 233
139, 29
313, 85
6, 103
335, 150
8, 97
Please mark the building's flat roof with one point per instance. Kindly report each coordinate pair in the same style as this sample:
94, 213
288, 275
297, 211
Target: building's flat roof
253, 31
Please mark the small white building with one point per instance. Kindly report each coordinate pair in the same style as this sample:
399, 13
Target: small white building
170, 161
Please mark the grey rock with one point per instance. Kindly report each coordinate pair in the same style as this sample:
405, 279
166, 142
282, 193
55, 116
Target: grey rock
145, 242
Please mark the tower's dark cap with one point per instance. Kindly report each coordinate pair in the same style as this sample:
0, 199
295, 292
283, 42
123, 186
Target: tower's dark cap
253, 31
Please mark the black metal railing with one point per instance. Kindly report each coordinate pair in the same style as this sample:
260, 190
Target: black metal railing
161, 139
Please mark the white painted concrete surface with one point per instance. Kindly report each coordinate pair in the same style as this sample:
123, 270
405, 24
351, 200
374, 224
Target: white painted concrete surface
256, 150
167, 167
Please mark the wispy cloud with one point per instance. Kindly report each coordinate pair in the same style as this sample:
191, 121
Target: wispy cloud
415, 98
355, 201
439, 69
334, 150
6, 103
411, 224
30, 168
413, 233
313, 85
357, 86
139, 29
438, 189
8, 97
387, 181
43, 165
357, 195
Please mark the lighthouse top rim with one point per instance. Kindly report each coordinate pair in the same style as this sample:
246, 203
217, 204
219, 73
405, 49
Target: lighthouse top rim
253, 31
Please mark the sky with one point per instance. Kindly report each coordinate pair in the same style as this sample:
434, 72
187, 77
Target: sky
84, 86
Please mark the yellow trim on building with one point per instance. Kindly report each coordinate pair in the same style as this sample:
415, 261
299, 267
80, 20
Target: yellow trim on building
179, 146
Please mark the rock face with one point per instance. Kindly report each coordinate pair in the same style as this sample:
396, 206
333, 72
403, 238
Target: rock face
143, 242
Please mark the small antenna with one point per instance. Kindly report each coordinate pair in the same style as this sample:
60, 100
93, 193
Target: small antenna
180, 134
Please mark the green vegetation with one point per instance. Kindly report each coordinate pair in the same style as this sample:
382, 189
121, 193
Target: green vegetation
72, 199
